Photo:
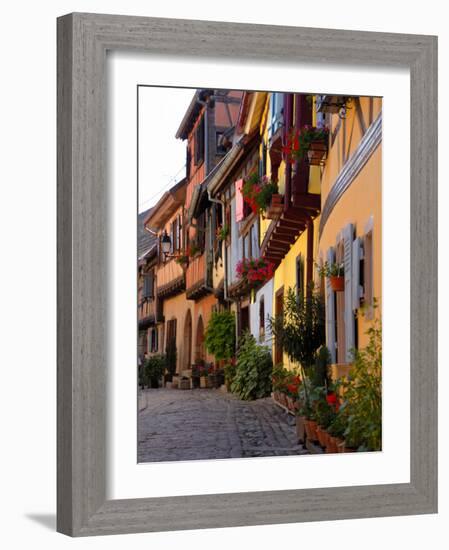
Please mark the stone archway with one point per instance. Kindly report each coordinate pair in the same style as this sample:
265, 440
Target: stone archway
187, 342
200, 351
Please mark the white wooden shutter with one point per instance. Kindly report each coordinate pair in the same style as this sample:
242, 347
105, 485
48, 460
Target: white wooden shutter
330, 312
357, 289
348, 233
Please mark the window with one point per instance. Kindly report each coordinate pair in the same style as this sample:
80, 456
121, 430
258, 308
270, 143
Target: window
199, 142
171, 332
179, 233
153, 340
200, 236
368, 269
340, 310
148, 286
262, 319
276, 112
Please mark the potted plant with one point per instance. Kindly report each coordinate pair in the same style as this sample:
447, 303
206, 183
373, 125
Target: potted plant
211, 378
184, 383
182, 260
336, 431
255, 272
195, 376
203, 371
310, 142
222, 232
258, 192
154, 369
193, 249
362, 395
335, 272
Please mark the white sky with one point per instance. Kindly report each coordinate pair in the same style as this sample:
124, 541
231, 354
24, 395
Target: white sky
161, 156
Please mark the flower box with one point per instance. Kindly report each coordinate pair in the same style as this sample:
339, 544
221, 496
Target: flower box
331, 446
321, 435
184, 384
300, 429
203, 381
276, 206
311, 429
317, 152
337, 283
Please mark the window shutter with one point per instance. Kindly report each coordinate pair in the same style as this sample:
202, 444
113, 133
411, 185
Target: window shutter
151, 285
348, 233
330, 311
357, 289
179, 233
255, 252
148, 286
172, 239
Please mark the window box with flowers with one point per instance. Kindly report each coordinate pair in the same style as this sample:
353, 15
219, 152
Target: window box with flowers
258, 192
309, 142
183, 260
222, 232
335, 273
254, 272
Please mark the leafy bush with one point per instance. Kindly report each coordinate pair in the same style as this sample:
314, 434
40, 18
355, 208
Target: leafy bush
253, 370
220, 335
154, 367
362, 393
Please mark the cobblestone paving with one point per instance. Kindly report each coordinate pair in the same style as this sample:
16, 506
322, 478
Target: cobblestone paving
210, 424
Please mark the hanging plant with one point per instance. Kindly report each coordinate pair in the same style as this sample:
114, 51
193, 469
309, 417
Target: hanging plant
257, 192
300, 142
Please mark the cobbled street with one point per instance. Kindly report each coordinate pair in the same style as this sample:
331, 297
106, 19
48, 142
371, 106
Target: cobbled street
209, 424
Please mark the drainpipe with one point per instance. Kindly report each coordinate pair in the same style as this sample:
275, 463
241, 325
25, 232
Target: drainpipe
225, 263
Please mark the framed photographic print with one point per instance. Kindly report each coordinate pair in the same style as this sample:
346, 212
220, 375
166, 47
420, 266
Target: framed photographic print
247, 286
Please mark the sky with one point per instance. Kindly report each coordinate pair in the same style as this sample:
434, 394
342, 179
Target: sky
161, 156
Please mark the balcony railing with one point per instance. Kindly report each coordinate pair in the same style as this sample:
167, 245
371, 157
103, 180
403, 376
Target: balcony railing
198, 277
170, 279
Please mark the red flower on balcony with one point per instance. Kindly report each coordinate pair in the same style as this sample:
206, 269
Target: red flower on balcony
299, 142
255, 271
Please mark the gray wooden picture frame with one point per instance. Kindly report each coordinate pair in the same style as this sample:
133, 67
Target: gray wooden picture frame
83, 40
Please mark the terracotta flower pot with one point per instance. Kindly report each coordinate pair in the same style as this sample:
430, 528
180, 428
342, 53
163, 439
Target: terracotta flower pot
331, 446
337, 283
342, 448
321, 434
300, 428
311, 430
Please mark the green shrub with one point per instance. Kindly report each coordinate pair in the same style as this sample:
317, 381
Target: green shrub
154, 368
254, 368
220, 335
362, 397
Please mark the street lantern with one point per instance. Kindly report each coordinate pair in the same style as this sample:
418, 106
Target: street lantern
166, 244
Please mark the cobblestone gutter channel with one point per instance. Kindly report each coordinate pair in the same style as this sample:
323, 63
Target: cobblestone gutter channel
210, 424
